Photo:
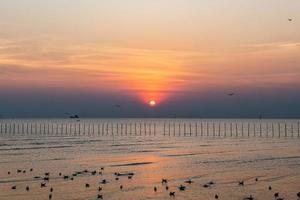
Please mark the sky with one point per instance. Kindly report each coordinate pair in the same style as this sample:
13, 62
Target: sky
87, 56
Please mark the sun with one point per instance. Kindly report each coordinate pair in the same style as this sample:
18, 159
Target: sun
152, 103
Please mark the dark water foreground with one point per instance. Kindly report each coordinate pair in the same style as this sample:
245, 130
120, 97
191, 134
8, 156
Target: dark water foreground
224, 160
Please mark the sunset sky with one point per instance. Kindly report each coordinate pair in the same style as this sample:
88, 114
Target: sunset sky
86, 56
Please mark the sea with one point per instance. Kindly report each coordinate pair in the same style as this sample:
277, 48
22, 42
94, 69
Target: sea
126, 159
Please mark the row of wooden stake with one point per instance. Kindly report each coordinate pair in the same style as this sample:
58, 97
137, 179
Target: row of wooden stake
166, 129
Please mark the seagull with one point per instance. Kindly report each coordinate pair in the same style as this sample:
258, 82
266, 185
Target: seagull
270, 188
172, 194
181, 187
231, 94
164, 181
290, 19
249, 198
241, 183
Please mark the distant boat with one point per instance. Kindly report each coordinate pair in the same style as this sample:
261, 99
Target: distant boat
74, 117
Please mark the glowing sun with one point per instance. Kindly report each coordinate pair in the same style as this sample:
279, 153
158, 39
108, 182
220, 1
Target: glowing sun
152, 103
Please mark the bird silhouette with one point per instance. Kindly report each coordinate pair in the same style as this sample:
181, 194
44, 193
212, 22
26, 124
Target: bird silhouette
290, 19
249, 198
172, 194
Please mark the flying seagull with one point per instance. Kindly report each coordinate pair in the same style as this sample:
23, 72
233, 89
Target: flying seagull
290, 19
231, 94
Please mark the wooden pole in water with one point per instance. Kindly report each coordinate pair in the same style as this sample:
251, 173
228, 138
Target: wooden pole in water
298, 129
207, 129
79, 128
225, 129
236, 130
292, 127
248, 129
242, 129
230, 129
196, 127
279, 131
14, 128
18, 128
260, 130
145, 128
89, 128
75, 129
174, 128
219, 129
272, 129
169, 130
154, 128
61, 129
184, 129
117, 128
190, 129
179, 127
285, 130
44, 129
164, 129
267, 129
121, 130
201, 129
130, 128
140, 129
107, 129
213, 129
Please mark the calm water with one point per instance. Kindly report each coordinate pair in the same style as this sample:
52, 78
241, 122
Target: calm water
210, 153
